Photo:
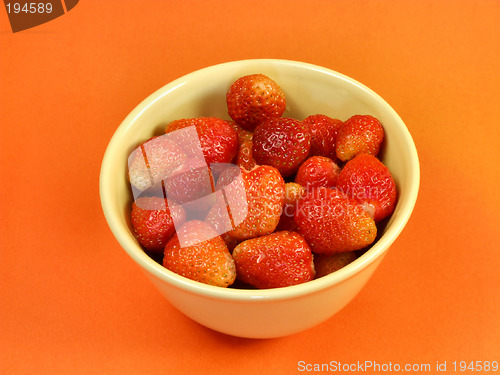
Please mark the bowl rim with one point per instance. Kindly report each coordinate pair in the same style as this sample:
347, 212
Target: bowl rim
149, 265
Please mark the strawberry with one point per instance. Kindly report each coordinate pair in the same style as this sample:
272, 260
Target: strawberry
326, 264
153, 161
293, 192
244, 158
331, 222
254, 98
198, 253
255, 202
217, 138
153, 222
324, 131
359, 134
318, 171
275, 260
191, 184
243, 135
283, 143
367, 180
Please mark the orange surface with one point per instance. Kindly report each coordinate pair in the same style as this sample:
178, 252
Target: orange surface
72, 302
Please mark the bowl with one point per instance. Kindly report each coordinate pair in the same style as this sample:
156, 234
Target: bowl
309, 89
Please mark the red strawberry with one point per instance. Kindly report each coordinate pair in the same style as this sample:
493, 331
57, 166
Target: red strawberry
326, 264
332, 223
191, 184
245, 158
368, 181
283, 143
243, 135
153, 222
275, 260
255, 202
293, 192
217, 138
254, 98
359, 134
324, 131
230, 205
204, 257
318, 171
153, 161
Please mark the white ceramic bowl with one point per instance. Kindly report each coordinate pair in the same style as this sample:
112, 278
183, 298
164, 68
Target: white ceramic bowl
309, 90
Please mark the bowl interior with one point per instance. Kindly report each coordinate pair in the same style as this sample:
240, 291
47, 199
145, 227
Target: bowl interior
309, 89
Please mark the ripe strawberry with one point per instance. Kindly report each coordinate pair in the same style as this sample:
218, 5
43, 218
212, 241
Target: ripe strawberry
204, 257
254, 205
243, 135
318, 171
326, 264
367, 180
324, 131
283, 143
153, 222
332, 223
293, 192
217, 138
245, 158
275, 260
254, 98
359, 134
191, 184
153, 161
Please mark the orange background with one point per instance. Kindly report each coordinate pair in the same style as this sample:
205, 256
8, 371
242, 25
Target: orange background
73, 302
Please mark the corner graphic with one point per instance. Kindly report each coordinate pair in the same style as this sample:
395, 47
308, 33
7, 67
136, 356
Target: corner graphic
27, 14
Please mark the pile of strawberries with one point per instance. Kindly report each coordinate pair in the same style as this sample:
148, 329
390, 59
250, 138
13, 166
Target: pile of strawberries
262, 201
